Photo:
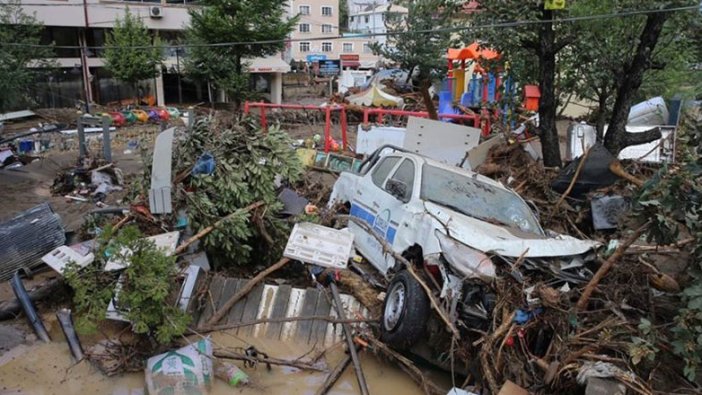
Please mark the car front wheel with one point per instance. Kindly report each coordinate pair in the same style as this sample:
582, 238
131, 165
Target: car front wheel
405, 311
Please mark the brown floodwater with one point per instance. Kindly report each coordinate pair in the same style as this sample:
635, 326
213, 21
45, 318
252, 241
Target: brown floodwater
48, 369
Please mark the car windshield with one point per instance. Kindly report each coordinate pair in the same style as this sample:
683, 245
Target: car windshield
477, 199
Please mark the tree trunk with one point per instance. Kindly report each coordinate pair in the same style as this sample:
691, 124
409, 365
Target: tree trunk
617, 138
237, 95
550, 147
601, 115
428, 102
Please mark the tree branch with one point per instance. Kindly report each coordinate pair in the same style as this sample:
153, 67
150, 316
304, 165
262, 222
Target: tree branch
641, 138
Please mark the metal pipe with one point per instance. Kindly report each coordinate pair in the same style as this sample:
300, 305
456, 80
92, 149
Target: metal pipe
349, 340
65, 318
28, 307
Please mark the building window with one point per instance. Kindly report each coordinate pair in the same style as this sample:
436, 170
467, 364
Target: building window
326, 11
326, 46
304, 46
348, 47
366, 48
304, 28
326, 28
352, 19
366, 19
304, 9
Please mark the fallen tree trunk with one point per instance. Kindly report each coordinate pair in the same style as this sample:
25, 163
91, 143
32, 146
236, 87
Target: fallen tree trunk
219, 314
226, 354
606, 266
11, 308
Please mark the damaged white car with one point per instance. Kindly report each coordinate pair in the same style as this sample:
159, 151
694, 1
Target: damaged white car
454, 225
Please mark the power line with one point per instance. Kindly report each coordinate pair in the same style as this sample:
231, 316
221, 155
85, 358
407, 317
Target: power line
498, 25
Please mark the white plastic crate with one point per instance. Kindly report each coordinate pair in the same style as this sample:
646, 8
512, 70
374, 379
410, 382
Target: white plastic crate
319, 245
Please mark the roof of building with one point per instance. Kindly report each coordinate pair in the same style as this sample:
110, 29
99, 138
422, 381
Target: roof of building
381, 9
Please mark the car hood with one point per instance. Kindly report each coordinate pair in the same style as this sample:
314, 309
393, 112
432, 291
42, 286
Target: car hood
487, 237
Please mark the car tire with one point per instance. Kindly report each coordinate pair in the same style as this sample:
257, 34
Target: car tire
405, 312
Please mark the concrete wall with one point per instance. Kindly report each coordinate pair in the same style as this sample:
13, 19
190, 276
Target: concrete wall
104, 13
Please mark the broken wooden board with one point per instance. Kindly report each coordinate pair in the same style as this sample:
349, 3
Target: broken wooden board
277, 302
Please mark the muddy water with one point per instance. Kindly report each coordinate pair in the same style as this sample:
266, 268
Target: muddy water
48, 369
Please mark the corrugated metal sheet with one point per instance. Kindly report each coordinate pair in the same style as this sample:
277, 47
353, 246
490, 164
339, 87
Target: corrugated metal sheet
27, 237
267, 301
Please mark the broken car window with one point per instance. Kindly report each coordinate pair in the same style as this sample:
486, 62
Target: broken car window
383, 169
405, 174
477, 199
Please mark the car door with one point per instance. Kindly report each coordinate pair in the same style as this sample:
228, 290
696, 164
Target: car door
383, 212
366, 207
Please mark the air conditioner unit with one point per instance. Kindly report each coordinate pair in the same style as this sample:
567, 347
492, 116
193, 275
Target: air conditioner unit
156, 12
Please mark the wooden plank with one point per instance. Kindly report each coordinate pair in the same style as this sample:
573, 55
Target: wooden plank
228, 290
253, 301
319, 328
212, 296
308, 306
280, 307
235, 313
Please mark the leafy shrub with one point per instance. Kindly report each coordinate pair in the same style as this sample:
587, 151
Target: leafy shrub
672, 201
249, 164
141, 291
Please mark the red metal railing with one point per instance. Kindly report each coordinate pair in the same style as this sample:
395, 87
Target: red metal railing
382, 112
327, 125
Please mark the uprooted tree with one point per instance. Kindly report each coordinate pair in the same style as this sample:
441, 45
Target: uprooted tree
131, 53
247, 163
418, 44
19, 35
224, 34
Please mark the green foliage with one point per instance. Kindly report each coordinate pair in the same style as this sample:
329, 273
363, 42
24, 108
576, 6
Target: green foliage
233, 21
592, 68
416, 50
15, 75
141, 292
125, 62
672, 201
248, 162
343, 15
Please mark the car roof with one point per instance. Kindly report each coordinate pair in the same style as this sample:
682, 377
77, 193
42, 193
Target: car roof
454, 169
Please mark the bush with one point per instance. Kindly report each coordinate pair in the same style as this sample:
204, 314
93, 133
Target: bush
249, 165
145, 286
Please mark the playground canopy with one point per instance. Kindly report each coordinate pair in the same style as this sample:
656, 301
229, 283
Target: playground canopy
473, 51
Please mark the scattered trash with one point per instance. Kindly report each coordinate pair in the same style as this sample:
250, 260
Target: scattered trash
293, 203
607, 211
184, 371
320, 245
28, 307
61, 256
230, 374
595, 173
205, 164
167, 242
27, 237
597, 386
65, 319
161, 184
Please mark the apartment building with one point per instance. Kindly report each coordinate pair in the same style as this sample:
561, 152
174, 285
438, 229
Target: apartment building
85, 23
372, 20
318, 36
